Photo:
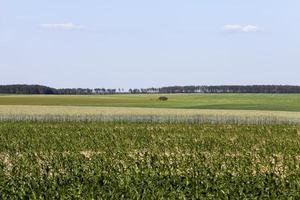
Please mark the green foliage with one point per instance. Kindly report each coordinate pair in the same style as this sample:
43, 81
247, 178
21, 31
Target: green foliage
26, 89
39, 89
163, 98
85, 160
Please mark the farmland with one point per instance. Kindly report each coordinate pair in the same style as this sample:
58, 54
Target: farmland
88, 113
271, 102
87, 160
221, 108
136, 147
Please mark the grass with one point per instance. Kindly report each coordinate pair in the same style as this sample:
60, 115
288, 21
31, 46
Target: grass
270, 102
86, 160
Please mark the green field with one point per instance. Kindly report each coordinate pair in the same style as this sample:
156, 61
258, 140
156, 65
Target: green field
276, 102
148, 161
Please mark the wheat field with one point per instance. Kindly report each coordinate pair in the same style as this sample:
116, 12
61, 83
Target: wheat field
85, 113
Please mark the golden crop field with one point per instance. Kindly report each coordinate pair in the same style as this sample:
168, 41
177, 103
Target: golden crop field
158, 114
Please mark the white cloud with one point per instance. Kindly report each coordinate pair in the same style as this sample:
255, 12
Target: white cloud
62, 26
236, 28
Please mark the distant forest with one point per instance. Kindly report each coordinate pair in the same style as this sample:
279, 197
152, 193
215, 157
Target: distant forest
40, 89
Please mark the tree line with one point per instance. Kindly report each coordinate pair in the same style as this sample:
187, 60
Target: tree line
40, 89
232, 89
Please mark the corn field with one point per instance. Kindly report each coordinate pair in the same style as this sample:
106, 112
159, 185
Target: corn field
148, 160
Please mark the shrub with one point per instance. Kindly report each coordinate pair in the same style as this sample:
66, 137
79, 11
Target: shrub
163, 98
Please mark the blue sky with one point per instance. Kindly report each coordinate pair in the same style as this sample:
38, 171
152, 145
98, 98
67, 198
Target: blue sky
134, 43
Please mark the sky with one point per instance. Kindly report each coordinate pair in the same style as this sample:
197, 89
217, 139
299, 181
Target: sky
149, 43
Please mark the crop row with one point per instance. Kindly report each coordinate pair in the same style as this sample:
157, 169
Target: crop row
105, 114
198, 119
122, 160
